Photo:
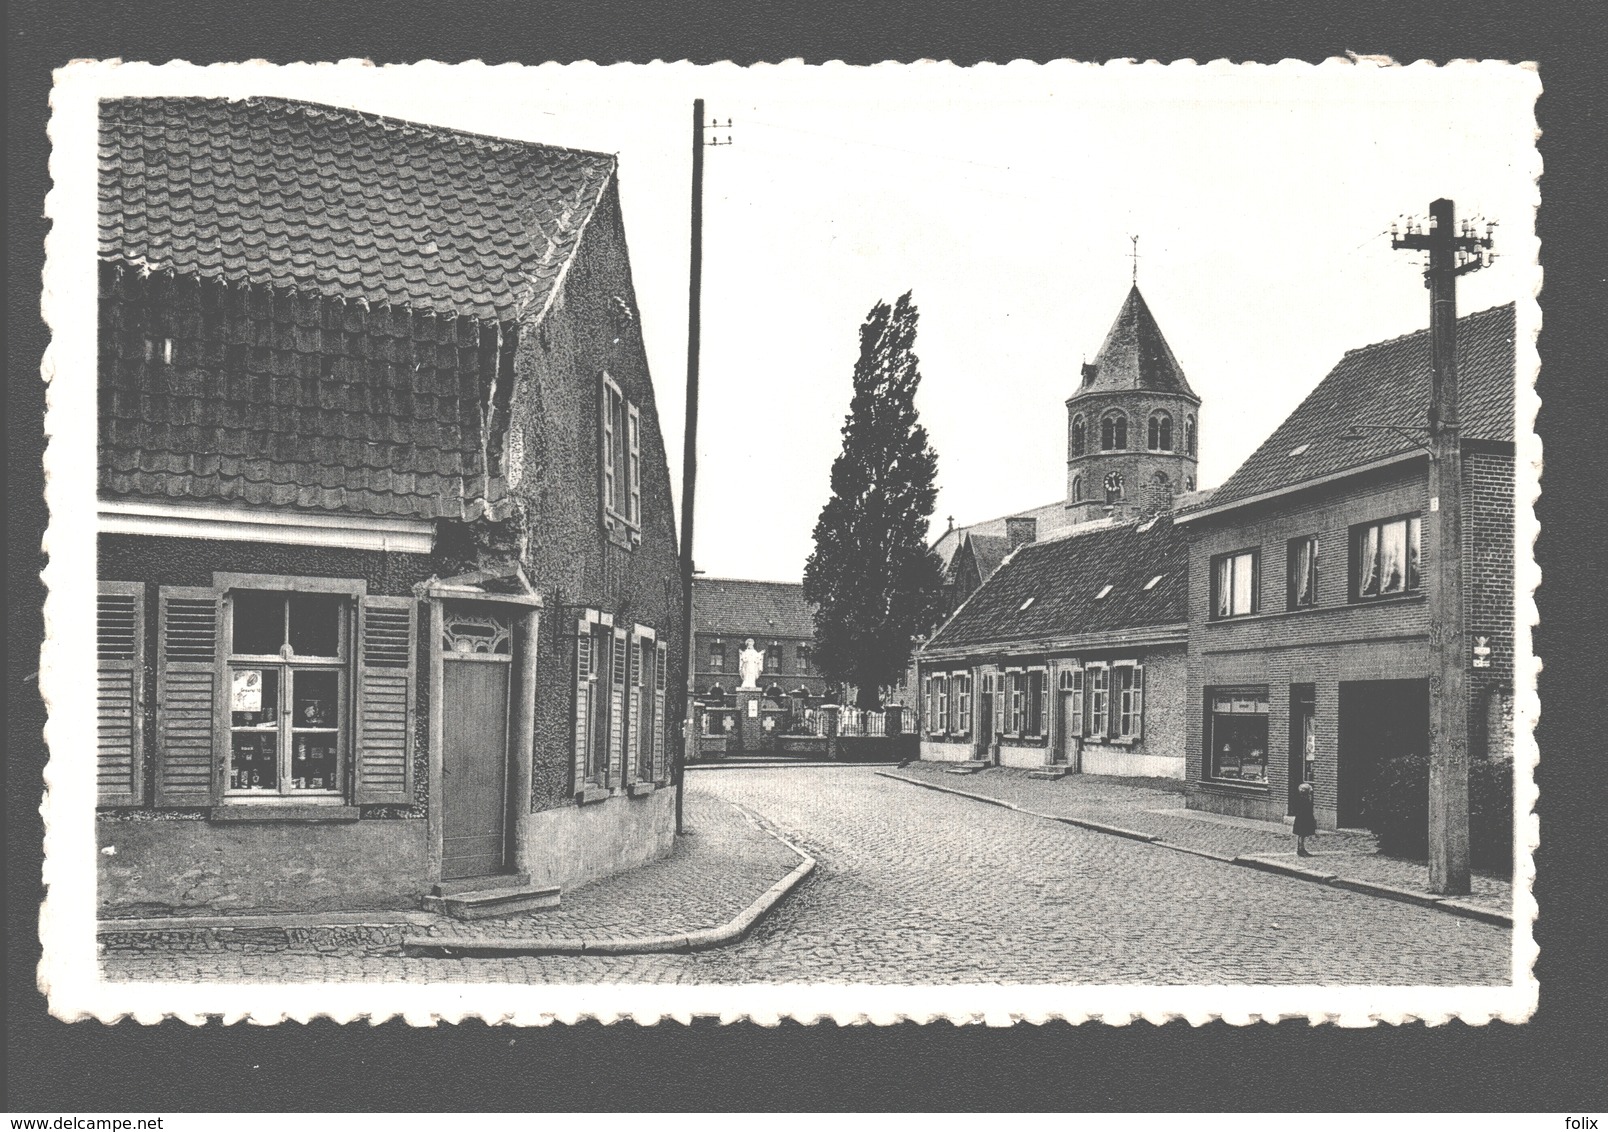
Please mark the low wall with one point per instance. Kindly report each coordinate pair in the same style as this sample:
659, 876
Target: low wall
875, 748
570, 845
939, 751
1124, 762
1022, 758
158, 868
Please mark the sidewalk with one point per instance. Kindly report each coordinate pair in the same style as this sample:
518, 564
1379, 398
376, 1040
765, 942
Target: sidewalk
718, 879
1153, 810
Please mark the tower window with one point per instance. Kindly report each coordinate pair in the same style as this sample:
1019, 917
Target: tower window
1189, 436
1077, 489
1079, 437
1114, 432
1160, 437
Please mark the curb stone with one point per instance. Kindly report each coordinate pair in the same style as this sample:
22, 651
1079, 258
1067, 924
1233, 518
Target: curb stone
701, 940
1451, 905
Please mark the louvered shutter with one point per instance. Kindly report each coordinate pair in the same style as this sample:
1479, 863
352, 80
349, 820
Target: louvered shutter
930, 710
119, 687
633, 719
388, 649
634, 435
617, 725
1138, 701
187, 676
609, 501
660, 660
1075, 716
583, 702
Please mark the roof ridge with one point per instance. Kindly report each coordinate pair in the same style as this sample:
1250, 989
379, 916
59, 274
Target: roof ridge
1421, 331
386, 121
747, 581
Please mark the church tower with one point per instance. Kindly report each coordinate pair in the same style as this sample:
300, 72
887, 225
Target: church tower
1133, 425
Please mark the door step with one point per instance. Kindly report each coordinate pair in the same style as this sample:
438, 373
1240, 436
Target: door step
485, 903
966, 768
1050, 772
480, 884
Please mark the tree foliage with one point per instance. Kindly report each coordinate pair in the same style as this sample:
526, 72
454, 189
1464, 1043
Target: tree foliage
872, 577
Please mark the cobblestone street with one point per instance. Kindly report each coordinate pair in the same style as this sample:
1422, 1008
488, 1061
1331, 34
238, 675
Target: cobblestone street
915, 886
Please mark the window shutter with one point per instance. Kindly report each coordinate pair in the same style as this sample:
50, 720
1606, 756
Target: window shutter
617, 724
1138, 701
187, 676
931, 712
1075, 723
661, 659
633, 746
387, 667
607, 413
634, 434
119, 688
583, 701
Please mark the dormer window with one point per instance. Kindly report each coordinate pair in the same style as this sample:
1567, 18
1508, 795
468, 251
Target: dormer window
1104, 590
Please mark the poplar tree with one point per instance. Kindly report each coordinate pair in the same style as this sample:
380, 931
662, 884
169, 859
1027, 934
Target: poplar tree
872, 577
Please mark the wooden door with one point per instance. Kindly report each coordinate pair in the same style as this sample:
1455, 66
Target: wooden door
474, 764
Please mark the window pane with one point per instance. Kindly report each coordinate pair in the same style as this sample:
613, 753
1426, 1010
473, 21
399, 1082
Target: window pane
317, 698
1239, 747
259, 622
315, 624
1392, 557
254, 761
254, 697
1243, 577
1220, 586
1368, 562
1413, 537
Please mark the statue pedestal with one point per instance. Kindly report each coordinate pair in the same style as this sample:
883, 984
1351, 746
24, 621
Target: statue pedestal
748, 717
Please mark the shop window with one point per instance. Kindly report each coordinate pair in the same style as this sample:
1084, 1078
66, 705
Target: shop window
1114, 432
288, 689
307, 684
1234, 584
1303, 572
1237, 735
1160, 433
1385, 559
621, 425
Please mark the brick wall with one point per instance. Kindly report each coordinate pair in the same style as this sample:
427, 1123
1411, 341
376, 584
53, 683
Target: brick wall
1136, 463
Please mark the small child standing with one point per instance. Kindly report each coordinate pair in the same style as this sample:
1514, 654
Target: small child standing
1306, 824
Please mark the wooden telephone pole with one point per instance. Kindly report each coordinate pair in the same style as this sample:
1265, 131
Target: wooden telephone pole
1451, 253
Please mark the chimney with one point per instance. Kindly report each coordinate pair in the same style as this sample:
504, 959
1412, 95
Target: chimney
1157, 499
1021, 530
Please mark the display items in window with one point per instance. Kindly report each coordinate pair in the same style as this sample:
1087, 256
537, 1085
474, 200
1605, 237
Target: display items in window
1239, 737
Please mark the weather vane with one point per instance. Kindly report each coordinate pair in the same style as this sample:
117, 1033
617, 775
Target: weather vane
1134, 255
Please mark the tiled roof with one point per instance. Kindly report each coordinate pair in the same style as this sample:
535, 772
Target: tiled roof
296, 195
1050, 589
1052, 518
988, 551
299, 303
1386, 383
1134, 355
738, 607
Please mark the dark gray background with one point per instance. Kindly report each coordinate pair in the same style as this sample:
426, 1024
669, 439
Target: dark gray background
1552, 1064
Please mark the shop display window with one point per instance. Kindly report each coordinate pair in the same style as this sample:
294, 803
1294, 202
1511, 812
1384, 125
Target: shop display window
287, 694
1237, 735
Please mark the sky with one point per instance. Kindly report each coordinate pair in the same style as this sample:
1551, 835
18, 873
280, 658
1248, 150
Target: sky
1004, 198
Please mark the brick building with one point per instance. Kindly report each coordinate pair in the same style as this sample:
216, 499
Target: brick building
1308, 631
390, 593
727, 612
1072, 654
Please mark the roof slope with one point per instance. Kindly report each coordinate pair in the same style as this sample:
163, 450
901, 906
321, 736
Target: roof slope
296, 195
988, 551
1063, 577
739, 607
1134, 355
1386, 383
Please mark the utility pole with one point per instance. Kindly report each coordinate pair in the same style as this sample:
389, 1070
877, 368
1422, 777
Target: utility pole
1452, 252
689, 452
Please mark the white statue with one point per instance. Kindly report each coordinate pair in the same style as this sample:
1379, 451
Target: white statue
750, 662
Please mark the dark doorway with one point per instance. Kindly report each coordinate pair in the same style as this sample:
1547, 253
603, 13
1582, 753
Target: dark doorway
474, 763
985, 717
1303, 737
1379, 720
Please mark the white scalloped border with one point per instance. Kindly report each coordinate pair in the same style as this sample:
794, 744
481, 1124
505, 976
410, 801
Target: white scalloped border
68, 970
